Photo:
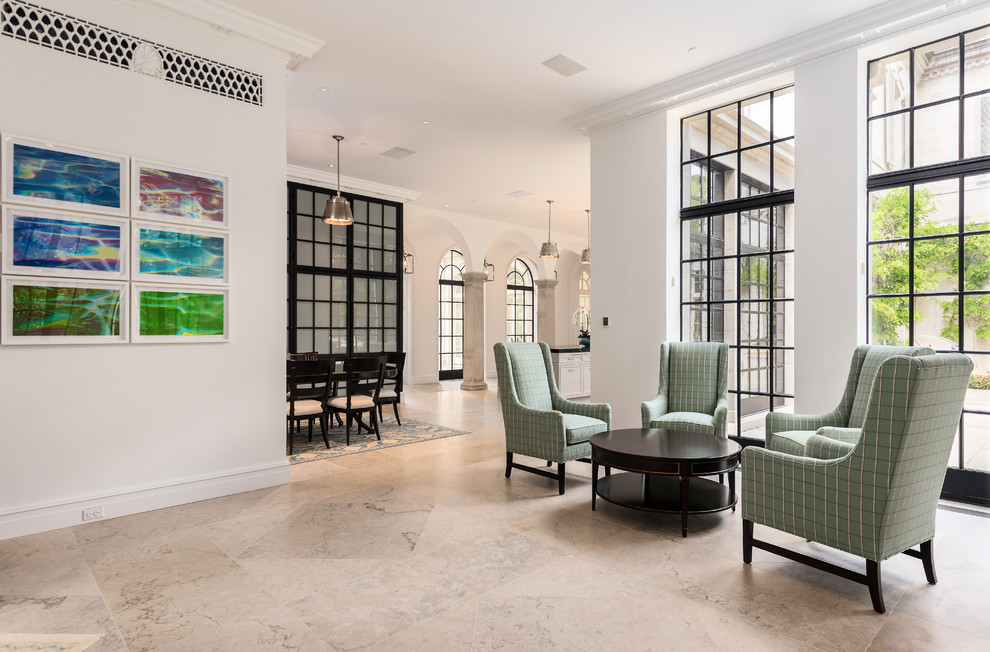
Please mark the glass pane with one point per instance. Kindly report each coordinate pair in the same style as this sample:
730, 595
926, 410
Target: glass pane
360, 290
321, 340
936, 134
389, 262
783, 326
361, 315
976, 262
322, 285
694, 281
391, 291
890, 213
322, 314
304, 314
304, 202
936, 265
694, 323
375, 237
694, 184
375, 262
391, 316
391, 339
977, 70
321, 230
304, 340
783, 227
755, 230
977, 436
694, 242
390, 239
320, 200
783, 372
694, 137
359, 208
755, 170
360, 259
304, 254
360, 340
889, 268
723, 318
724, 234
304, 286
375, 339
375, 315
338, 340
338, 257
889, 84
717, 280
755, 370
375, 214
783, 276
725, 129
754, 323
304, 227
390, 217
339, 292
756, 120
976, 134
935, 323
322, 255
936, 71
724, 177
976, 203
889, 321
338, 234
338, 315
783, 165
783, 113
936, 207
375, 290
889, 143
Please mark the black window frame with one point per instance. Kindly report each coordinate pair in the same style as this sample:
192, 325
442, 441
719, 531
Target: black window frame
529, 300
452, 371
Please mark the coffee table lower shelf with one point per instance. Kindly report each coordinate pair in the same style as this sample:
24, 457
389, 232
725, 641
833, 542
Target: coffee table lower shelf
662, 493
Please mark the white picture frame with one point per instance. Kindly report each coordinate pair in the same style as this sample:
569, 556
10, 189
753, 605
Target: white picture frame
171, 253
36, 310
175, 311
179, 195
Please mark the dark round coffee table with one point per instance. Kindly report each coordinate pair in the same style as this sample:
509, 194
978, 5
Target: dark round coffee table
666, 469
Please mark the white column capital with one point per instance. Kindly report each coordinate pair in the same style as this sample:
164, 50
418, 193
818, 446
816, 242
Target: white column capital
473, 277
546, 283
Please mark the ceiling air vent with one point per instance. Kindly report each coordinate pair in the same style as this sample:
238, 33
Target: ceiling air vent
564, 65
398, 153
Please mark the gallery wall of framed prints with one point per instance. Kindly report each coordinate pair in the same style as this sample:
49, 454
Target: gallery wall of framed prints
97, 247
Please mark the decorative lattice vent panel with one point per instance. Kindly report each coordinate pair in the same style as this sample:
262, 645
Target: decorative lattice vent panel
34, 24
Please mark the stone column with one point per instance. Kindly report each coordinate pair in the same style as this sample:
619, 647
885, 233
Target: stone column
474, 331
546, 311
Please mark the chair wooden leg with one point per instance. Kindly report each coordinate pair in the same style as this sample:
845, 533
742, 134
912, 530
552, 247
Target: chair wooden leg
747, 541
348, 429
928, 559
873, 581
395, 408
323, 428
310, 423
374, 422
549, 464
288, 435
508, 464
560, 478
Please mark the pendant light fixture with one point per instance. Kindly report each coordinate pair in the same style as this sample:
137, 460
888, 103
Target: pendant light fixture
586, 254
338, 211
549, 249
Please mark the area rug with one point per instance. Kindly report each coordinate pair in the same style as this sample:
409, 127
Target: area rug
49, 642
410, 432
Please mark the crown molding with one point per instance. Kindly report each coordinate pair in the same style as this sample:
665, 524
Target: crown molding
856, 30
293, 47
350, 184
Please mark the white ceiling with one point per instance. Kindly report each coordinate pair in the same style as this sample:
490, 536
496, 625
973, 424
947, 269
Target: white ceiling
473, 70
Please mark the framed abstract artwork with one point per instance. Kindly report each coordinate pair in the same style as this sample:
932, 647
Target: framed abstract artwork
63, 177
172, 194
175, 254
164, 313
45, 243
56, 311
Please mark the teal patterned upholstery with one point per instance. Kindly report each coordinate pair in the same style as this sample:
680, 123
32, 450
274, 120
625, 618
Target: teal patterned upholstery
539, 422
875, 497
788, 433
694, 385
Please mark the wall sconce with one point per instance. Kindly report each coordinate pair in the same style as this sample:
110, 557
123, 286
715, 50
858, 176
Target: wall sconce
408, 263
489, 271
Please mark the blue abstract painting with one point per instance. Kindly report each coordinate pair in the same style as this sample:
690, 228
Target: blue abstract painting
62, 244
186, 255
44, 173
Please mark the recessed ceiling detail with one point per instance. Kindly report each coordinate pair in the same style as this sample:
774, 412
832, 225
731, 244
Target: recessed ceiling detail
519, 193
398, 153
564, 65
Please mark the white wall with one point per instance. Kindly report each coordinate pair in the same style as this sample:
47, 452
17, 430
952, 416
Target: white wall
829, 215
141, 426
630, 232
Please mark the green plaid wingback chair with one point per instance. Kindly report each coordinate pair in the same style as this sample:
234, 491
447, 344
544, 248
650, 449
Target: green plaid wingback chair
788, 433
694, 386
873, 498
539, 422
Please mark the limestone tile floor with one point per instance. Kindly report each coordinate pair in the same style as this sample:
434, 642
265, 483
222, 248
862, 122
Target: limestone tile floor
429, 547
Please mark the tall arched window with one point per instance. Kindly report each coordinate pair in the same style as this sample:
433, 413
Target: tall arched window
519, 317
584, 290
451, 316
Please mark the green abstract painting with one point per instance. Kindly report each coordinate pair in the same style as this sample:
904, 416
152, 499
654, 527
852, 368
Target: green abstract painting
181, 313
56, 311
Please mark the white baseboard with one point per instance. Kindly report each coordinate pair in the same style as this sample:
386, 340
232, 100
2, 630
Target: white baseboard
424, 380
41, 518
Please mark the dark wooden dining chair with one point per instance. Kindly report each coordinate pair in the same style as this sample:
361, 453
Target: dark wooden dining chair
307, 385
392, 386
362, 384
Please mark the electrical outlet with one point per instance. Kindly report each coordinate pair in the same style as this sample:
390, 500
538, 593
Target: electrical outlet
92, 513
